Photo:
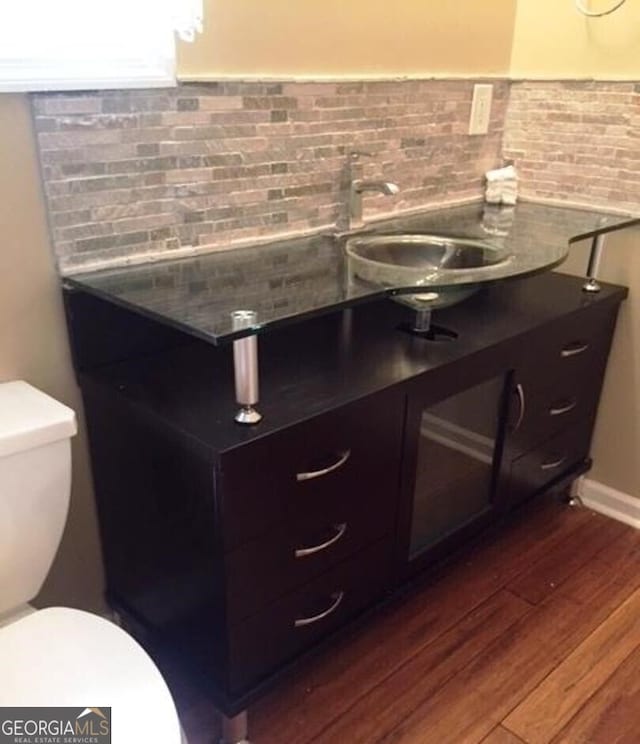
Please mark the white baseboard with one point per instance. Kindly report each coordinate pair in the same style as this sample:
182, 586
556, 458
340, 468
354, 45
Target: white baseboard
610, 502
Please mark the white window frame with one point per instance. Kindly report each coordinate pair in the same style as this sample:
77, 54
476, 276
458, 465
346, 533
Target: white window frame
26, 76
113, 67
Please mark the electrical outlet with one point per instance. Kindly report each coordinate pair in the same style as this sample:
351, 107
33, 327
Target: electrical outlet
480, 108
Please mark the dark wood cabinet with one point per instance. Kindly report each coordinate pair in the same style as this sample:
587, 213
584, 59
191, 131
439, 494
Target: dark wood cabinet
312, 547
555, 390
246, 557
246, 547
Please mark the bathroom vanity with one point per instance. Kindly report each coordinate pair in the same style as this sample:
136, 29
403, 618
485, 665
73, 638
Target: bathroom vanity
380, 450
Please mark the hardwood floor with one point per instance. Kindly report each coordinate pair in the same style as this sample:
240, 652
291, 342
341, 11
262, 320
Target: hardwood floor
531, 635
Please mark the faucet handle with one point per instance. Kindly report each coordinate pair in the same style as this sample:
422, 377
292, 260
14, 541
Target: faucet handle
355, 155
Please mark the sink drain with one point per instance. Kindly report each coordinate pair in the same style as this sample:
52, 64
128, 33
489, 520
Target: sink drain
433, 332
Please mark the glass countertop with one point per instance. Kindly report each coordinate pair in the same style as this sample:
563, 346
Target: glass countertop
290, 280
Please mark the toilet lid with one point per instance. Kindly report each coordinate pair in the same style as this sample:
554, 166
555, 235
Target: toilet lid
65, 657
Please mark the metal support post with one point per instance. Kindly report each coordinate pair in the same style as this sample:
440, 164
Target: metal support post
595, 258
245, 365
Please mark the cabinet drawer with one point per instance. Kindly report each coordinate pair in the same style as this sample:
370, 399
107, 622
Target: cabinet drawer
304, 547
294, 473
539, 414
535, 470
575, 347
297, 621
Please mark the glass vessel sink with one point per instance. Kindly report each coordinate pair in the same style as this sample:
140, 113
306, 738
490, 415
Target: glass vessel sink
426, 252
436, 264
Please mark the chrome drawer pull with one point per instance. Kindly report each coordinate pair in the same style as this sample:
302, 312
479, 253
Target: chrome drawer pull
337, 597
343, 457
340, 530
521, 401
553, 464
573, 349
559, 410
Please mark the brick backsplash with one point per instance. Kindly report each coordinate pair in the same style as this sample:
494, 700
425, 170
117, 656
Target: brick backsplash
128, 173
576, 141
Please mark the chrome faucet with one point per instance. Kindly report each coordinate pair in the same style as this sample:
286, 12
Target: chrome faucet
358, 188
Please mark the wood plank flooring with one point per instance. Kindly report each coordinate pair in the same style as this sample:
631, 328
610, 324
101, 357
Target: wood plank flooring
531, 635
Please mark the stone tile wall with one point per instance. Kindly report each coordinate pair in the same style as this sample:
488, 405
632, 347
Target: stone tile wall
129, 173
576, 141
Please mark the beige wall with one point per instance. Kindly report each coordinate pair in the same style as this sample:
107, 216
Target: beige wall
617, 436
33, 341
354, 38
552, 40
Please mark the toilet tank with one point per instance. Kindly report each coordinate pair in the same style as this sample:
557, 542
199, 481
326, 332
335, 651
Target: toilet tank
35, 486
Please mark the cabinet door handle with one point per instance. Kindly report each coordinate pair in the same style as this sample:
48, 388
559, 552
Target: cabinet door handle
342, 458
523, 408
559, 410
573, 349
340, 530
336, 598
552, 464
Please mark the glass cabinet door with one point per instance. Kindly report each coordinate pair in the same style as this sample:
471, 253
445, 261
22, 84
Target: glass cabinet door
456, 463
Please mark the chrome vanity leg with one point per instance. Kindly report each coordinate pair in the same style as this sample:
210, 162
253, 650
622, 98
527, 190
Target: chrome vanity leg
235, 730
595, 257
245, 365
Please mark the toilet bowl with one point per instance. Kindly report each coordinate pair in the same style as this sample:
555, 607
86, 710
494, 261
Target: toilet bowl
60, 656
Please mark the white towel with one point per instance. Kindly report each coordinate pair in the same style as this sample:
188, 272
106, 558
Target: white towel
502, 186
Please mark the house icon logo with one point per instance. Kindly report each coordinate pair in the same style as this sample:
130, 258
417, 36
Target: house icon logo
97, 711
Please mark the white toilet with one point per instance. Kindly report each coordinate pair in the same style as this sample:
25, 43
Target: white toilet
60, 656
